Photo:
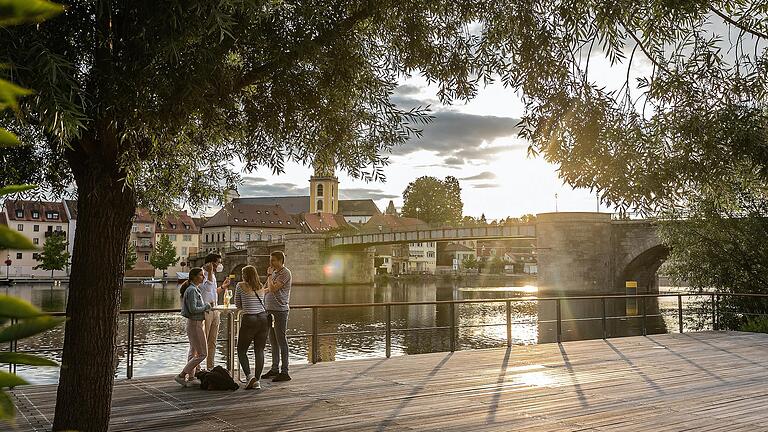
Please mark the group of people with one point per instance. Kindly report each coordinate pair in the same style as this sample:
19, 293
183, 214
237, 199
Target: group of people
264, 310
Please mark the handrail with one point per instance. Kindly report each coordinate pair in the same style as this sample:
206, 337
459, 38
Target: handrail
435, 302
453, 326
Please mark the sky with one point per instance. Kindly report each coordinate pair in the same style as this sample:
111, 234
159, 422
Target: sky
475, 142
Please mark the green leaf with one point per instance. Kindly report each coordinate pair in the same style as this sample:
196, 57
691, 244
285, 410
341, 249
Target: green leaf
14, 307
15, 12
10, 239
8, 139
9, 92
16, 189
7, 410
29, 327
10, 380
25, 359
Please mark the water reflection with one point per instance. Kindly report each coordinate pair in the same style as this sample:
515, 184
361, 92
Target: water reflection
415, 328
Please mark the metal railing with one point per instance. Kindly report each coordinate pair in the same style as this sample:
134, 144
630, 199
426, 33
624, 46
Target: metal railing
314, 335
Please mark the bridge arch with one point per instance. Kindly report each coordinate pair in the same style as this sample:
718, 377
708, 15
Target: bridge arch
643, 267
639, 253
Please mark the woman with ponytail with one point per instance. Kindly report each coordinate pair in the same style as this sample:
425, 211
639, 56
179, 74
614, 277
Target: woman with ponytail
254, 326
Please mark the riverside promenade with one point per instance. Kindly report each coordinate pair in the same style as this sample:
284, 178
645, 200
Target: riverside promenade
708, 381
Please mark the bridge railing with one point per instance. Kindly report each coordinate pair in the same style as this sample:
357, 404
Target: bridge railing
556, 323
431, 226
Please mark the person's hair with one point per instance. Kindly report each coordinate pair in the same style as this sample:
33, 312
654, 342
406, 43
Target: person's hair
279, 255
251, 279
192, 274
212, 257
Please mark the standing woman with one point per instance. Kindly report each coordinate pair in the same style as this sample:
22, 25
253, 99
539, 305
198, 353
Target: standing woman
193, 309
254, 326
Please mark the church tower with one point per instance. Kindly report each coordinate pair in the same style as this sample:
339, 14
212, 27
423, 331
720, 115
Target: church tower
324, 188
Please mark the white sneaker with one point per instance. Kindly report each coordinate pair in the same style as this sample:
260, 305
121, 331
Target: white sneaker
253, 383
181, 381
194, 381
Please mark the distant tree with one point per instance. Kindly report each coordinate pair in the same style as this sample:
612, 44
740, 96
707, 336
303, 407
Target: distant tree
55, 255
130, 257
469, 262
163, 254
433, 200
496, 265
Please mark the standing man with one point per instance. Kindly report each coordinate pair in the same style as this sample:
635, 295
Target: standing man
277, 299
211, 291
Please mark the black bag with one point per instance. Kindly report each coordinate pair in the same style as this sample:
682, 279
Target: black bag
216, 379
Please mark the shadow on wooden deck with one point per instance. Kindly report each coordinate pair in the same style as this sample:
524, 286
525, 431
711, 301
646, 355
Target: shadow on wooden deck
696, 381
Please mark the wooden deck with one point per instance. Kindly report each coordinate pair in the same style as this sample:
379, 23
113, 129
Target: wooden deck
697, 381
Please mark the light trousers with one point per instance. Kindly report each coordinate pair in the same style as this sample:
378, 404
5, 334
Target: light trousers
197, 346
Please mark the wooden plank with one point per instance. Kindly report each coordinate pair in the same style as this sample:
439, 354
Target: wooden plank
702, 381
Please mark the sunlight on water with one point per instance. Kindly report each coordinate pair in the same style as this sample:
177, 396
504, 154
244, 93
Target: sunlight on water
527, 289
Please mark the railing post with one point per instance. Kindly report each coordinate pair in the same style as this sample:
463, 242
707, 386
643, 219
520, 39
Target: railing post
559, 323
453, 327
605, 327
645, 315
714, 324
389, 331
129, 354
509, 323
680, 312
717, 312
315, 342
12, 348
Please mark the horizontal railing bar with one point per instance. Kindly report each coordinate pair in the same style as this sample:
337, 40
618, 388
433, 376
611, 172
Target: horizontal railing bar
465, 301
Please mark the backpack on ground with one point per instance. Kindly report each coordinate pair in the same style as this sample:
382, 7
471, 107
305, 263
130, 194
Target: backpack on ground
217, 379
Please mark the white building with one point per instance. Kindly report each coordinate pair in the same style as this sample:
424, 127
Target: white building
422, 257
36, 220
70, 206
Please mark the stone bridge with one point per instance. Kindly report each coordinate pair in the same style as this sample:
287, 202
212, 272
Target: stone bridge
578, 253
590, 254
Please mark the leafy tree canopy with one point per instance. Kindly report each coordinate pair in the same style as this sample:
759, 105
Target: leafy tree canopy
54, 255
130, 257
163, 254
433, 200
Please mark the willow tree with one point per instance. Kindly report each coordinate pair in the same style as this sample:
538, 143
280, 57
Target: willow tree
145, 102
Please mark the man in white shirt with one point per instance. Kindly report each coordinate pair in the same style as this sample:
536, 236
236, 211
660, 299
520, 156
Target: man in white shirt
211, 291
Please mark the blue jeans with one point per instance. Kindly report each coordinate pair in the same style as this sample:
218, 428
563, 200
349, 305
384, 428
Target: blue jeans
277, 340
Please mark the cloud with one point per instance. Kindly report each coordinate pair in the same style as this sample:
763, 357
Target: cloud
463, 137
485, 186
407, 90
261, 188
363, 193
250, 180
485, 175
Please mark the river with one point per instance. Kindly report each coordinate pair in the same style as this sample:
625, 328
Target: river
480, 325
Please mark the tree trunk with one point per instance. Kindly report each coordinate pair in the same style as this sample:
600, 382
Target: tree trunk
105, 212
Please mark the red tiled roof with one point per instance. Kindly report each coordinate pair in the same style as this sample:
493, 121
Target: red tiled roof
179, 223
394, 222
251, 215
26, 207
320, 222
142, 215
457, 247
